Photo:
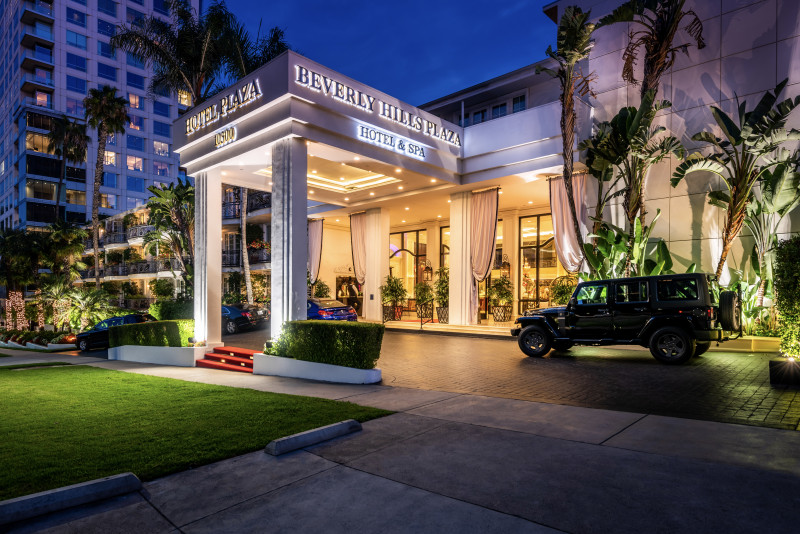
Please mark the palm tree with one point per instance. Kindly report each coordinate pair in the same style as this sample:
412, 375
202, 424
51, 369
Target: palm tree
573, 45
67, 140
63, 247
106, 112
246, 54
743, 157
188, 53
88, 306
172, 216
19, 266
248, 283
658, 21
56, 292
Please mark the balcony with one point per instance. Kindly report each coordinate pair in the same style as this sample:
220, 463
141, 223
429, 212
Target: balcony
31, 82
259, 256
89, 243
256, 200
29, 101
32, 36
142, 267
231, 258
114, 240
33, 12
139, 231
172, 264
230, 210
32, 59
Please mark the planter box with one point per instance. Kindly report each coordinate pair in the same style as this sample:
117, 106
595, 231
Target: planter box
264, 364
61, 346
12, 345
749, 344
784, 372
30, 345
177, 356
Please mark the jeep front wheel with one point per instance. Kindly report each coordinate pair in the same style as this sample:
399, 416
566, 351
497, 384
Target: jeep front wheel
671, 345
534, 341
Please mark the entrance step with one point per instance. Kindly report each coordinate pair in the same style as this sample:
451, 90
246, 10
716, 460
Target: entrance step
228, 359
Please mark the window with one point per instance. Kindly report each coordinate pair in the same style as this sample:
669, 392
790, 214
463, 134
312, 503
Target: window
160, 108
444, 246
108, 201
75, 106
136, 184
135, 101
592, 294
408, 255
37, 120
160, 168
134, 142
76, 84
160, 148
631, 291
161, 128
76, 197
77, 40
111, 139
134, 17
135, 163
37, 143
134, 60
678, 289
40, 189
160, 6
161, 91
109, 179
106, 28
106, 71
134, 80
184, 98
110, 158
133, 203
539, 265
137, 123
43, 99
76, 62
518, 104
498, 111
479, 116
140, 2
106, 50
76, 17
42, 53
109, 7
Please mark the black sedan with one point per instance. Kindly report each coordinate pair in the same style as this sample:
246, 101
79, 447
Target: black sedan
97, 336
238, 317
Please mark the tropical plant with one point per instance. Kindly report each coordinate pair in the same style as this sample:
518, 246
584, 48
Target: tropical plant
56, 292
787, 294
66, 140
88, 306
321, 290
188, 53
172, 216
247, 54
656, 24
501, 292
248, 284
107, 113
63, 248
393, 292
423, 293
573, 44
162, 288
741, 159
757, 319
441, 286
562, 288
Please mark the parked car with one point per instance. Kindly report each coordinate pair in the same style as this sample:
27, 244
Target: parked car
329, 309
676, 316
237, 317
97, 336
260, 313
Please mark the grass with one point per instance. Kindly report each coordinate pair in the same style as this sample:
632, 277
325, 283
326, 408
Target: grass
4, 355
66, 425
28, 365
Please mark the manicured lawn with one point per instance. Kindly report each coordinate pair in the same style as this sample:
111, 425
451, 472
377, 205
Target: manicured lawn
67, 425
29, 365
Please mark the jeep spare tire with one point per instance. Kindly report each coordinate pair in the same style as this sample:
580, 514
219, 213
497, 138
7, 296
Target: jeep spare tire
730, 311
534, 341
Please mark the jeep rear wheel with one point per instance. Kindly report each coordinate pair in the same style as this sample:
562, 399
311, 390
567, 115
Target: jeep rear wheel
701, 348
534, 341
730, 311
671, 345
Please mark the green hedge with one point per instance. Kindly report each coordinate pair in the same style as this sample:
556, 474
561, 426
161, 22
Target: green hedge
345, 343
172, 309
787, 294
153, 334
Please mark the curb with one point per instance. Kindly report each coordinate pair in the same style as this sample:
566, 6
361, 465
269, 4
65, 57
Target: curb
36, 504
311, 437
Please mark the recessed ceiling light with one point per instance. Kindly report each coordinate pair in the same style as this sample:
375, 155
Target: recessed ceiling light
342, 163
341, 177
372, 194
270, 183
356, 158
397, 170
313, 172
224, 173
499, 192
310, 191
403, 220
400, 187
530, 202
433, 180
407, 208
337, 220
449, 201
439, 216
347, 198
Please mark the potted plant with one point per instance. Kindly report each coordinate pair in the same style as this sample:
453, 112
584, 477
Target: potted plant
393, 295
441, 294
423, 292
561, 289
502, 296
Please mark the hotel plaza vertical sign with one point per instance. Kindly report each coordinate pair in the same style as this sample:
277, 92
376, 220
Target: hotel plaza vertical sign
228, 104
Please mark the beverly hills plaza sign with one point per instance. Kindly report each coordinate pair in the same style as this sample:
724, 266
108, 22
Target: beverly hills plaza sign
228, 104
341, 92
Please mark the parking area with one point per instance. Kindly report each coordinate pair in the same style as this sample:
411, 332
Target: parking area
718, 386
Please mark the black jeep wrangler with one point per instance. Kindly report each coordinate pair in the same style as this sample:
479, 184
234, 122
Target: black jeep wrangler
677, 316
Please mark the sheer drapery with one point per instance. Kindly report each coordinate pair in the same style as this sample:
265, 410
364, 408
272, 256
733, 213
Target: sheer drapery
567, 249
358, 244
314, 248
482, 240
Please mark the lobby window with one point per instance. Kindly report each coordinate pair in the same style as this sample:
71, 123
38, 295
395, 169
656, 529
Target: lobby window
161, 128
134, 142
135, 163
132, 203
76, 84
135, 101
75, 107
37, 143
106, 50
539, 265
160, 108
479, 116
40, 189
160, 6
160, 148
77, 40
135, 81
106, 28
109, 7
444, 246
106, 71
134, 17
498, 111
110, 158
136, 123
108, 201
518, 104
409, 252
109, 179
135, 61
76, 17
160, 168
136, 184
76, 197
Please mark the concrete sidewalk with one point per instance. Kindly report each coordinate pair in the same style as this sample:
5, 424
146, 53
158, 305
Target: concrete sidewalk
449, 462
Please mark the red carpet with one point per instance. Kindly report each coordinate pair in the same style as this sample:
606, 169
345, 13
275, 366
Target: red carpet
228, 359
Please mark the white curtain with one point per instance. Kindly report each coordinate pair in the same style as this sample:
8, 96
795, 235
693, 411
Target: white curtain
314, 248
358, 244
567, 249
482, 240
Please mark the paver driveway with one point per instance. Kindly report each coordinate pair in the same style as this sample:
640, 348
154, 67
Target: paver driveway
718, 386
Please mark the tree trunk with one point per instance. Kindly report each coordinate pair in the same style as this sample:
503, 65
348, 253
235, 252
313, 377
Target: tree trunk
734, 220
568, 139
762, 287
60, 188
248, 284
98, 179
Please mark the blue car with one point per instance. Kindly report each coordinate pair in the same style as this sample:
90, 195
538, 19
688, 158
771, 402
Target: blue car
330, 310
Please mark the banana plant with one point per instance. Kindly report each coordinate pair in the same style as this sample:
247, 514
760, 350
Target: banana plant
742, 157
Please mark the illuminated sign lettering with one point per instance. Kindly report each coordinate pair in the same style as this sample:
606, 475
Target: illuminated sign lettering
341, 92
391, 141
249, 92
225, 137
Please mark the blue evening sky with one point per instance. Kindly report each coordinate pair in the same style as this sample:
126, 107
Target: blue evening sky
414, 50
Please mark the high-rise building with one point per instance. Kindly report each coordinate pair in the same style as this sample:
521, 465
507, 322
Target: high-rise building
53, 52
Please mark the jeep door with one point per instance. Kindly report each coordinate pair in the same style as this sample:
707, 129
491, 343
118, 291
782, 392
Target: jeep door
631, 307
589, 315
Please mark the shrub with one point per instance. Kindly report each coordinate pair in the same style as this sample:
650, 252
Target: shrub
162, 288
164, 310
345, 343
787, 294
321, 290
393, 292
153, 334
441, 287
502, 291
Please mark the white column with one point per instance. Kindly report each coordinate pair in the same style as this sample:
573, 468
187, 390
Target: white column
460, 263
377, 261
289, 232
207, 259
